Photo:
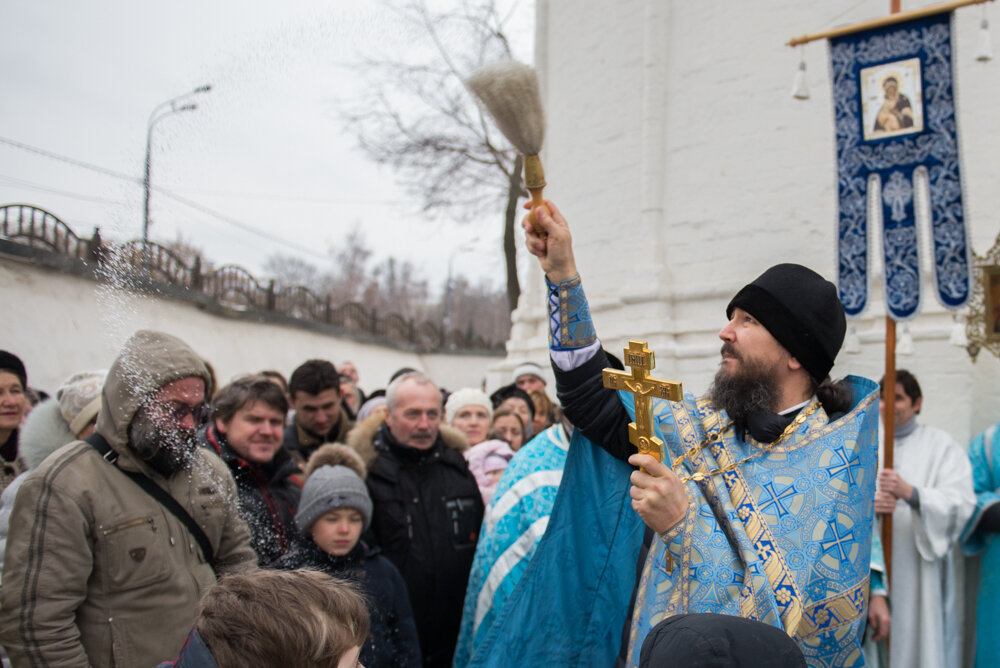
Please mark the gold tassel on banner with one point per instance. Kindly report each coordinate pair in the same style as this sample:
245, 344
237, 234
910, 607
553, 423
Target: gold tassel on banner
985, 51
800, 89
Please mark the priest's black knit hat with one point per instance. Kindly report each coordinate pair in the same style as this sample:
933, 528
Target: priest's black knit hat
801, 310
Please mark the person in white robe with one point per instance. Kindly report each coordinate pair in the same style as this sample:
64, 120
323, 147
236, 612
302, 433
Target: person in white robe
930, 495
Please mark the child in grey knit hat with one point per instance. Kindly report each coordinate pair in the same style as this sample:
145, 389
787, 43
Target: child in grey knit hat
334, 510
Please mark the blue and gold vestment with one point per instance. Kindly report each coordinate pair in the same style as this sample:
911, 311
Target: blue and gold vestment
778, 533
784, 539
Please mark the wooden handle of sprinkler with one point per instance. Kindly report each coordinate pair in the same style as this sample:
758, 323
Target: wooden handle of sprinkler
536, 201
534, 181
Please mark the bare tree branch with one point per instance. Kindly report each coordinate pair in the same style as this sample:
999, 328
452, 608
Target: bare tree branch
396, 287
417, 117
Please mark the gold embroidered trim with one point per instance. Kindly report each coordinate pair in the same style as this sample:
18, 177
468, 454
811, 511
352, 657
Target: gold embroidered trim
712, 438
832, 613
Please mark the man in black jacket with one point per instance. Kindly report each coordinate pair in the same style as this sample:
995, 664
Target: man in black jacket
320, 418
245, 431
427, 510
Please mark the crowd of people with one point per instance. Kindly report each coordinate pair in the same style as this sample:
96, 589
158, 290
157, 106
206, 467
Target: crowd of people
150, 516
131, 491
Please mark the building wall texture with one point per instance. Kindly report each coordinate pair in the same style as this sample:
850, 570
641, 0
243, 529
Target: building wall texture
59, 323
685, 168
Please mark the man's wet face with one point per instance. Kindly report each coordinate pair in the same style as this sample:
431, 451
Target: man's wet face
163, 430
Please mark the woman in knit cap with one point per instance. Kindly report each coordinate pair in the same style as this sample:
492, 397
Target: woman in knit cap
469, 411
333, 512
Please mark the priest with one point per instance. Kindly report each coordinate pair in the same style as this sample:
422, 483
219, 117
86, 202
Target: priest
761, 506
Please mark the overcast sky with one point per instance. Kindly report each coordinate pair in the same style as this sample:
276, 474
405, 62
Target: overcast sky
265, 147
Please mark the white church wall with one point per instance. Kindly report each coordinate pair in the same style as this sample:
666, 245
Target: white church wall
685, 169
59, 323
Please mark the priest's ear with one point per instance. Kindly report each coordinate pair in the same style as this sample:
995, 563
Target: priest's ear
793, 363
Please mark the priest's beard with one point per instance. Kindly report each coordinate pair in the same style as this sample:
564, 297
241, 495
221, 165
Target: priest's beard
167, 451
751, 388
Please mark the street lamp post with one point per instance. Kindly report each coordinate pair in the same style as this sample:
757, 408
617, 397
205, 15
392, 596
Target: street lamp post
160, 112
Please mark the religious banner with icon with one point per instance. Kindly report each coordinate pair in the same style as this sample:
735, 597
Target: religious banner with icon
897, 140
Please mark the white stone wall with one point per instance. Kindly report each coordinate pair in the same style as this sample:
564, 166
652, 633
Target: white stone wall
685, 169
59, 324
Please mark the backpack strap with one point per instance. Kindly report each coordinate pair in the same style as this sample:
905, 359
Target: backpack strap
161, 495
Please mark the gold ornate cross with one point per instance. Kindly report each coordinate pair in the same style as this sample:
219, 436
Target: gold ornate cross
644, 387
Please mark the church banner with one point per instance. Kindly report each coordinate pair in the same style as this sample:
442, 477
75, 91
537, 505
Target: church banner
897, 141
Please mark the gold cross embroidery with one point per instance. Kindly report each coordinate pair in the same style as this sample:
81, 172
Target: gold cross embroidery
645, 388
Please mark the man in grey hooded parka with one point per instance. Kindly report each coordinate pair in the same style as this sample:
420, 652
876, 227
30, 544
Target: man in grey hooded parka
97, 571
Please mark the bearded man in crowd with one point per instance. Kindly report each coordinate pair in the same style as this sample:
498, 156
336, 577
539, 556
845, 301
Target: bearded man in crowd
114, 540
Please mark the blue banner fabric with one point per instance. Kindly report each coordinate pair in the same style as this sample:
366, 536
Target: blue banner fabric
894, 112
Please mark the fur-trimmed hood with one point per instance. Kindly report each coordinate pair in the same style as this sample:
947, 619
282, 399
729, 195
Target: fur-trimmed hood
362, 438
44, 432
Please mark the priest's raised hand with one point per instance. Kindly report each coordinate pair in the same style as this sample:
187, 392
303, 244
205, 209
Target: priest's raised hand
555, 250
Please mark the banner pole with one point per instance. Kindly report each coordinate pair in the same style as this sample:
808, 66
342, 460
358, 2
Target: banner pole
889, 425
895, 17
888, 442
